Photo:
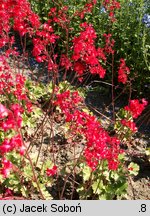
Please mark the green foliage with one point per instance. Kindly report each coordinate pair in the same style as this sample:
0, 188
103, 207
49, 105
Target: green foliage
103, 184
22, 181
41, 8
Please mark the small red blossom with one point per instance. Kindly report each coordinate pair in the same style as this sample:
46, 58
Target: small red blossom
51, 171
79, 68
109, 44
98, 69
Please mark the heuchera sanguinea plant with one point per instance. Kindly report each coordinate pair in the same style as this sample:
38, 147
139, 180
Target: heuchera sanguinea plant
84, 56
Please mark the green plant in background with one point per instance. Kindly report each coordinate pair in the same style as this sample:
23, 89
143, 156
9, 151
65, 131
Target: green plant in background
131, 35
42, 8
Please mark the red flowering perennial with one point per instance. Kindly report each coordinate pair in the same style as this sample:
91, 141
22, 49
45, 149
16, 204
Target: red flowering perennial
109, 44
24, 20
6, 167
99, 145
42, 38
85, 54
123, 72
60, 16
65, 62
135, 109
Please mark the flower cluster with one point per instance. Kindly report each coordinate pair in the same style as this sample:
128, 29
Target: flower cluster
68, 102
85, 54
7, 166
99, 145
15, 143
42, 39
13, 118
13, 85
9, 145
129, 124
60, 17
123, 71
135, 107
65, 62
111, 6
24, 19
146, 20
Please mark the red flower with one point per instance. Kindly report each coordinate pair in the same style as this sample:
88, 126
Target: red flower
109, 44
5, 170
79, 68
65, 62
52, 171
135, 107
99, 145
85, 53
129, 124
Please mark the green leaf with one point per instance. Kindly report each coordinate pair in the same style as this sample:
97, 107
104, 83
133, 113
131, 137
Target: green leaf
98, 187
24, 191
28, 172
122, 188
147, 152
86, 172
